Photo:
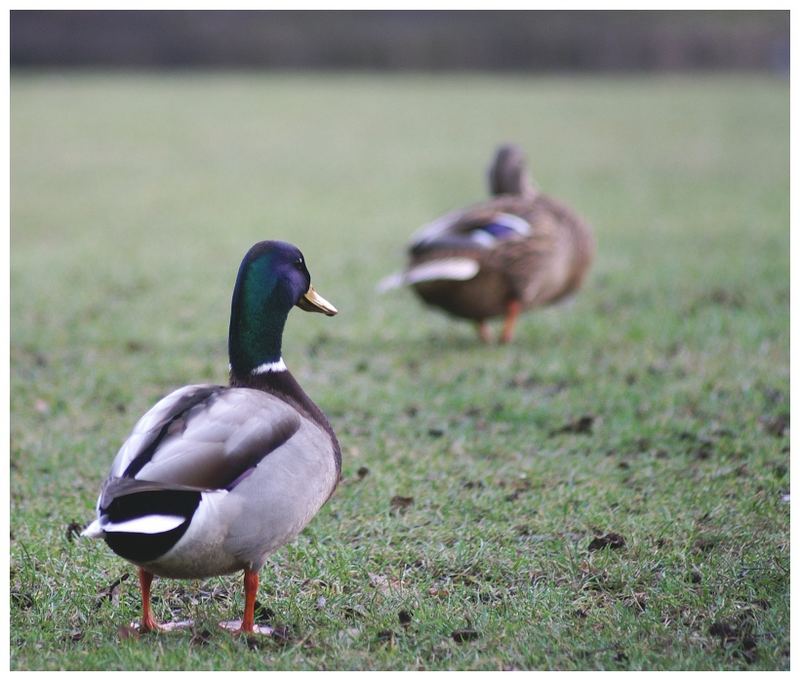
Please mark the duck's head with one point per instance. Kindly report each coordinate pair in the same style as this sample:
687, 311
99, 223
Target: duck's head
279, 269
508, 173
272, 279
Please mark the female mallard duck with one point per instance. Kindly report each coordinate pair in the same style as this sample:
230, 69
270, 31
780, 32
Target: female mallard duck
214, 478
519, 250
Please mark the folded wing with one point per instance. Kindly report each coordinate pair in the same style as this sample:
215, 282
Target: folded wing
480, 227
171, 445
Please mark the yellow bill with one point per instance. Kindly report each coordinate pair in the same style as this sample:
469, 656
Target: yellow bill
314, 302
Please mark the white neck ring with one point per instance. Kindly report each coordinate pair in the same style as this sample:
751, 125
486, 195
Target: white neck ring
269, 367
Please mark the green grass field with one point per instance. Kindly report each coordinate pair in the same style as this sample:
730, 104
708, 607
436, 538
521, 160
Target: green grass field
133, 201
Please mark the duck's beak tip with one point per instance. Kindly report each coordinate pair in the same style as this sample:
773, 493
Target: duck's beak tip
314, 302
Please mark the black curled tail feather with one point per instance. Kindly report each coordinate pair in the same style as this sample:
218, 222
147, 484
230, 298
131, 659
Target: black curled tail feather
124, 500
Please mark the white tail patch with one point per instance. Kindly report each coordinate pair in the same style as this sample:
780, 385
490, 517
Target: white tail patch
452, 269
146, 524
395, 280
93, 531
457, 269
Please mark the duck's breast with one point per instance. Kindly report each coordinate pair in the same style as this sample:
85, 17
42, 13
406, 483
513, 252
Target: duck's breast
284, 492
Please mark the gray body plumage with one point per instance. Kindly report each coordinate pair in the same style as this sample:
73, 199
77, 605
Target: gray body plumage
262, 468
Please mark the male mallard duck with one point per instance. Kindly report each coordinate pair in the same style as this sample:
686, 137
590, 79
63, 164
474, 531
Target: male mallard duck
518, 250
215, 478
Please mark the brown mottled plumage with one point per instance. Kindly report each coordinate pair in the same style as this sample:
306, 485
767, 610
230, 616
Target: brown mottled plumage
517, 251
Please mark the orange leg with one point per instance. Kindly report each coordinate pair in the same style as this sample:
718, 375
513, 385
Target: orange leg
148, 621
513, 309
250, 591
483, 332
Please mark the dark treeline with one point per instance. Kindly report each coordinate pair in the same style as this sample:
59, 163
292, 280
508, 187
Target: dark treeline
404, 40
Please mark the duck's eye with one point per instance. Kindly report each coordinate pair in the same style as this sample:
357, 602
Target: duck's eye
299, 263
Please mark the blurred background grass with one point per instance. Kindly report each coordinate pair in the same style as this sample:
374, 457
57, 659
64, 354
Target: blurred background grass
134, 196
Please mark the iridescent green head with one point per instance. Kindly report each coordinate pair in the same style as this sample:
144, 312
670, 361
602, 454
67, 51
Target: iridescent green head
272, 279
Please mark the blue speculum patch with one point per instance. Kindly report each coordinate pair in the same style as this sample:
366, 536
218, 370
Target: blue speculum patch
499, 231
501, 228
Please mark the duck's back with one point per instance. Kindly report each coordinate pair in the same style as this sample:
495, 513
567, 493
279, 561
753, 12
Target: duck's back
539, 260
204, 436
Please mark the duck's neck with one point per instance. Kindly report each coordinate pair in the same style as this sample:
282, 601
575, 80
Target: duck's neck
258, 315
512, 181
254, 348
278, 381
509, 174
